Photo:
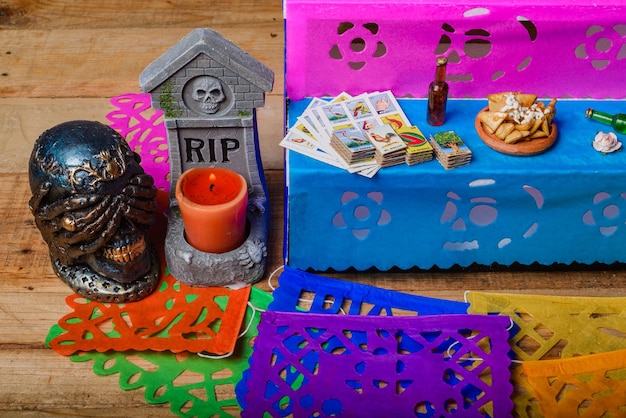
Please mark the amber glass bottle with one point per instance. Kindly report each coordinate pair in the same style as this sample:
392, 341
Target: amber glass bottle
438, 95
617, 121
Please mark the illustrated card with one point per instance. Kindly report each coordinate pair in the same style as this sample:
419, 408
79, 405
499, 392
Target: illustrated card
341, 97
307, 114
385, 139
332, 114
370, 172
345, 130
386, 105
297, 141
353, 139
359, 108
414, 139
304, 138
396, 121
451, 143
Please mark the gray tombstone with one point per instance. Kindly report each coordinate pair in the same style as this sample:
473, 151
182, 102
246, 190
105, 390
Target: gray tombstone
209, 89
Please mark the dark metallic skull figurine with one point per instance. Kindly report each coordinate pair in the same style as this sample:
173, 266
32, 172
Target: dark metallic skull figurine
93, 203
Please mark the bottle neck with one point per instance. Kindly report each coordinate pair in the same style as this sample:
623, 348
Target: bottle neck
440, 74
599, 116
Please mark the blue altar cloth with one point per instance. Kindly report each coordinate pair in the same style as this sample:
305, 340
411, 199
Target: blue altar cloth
565, 205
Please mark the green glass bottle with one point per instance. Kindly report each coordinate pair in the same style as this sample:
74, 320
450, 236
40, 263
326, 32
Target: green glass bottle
617, 121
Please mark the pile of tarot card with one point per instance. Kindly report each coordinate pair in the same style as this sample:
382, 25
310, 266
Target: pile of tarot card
418, 149
360, 134
450, 150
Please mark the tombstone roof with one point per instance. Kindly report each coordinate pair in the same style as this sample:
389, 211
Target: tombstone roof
216, 47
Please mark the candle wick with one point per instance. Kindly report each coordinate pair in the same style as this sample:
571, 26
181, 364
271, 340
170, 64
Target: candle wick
211, 187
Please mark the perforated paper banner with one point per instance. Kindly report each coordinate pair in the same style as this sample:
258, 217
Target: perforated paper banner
370, 366
557, 326
299, 291
523, 397
144, 130
192, 385
547, 327
302, 291
176, 317
585, 386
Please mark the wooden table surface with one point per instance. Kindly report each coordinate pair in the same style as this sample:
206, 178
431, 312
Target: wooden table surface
62, 60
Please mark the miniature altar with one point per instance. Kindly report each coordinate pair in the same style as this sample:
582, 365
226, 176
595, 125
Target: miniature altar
565, 205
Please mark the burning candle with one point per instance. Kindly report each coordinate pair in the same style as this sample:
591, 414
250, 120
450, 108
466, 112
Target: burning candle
213, 204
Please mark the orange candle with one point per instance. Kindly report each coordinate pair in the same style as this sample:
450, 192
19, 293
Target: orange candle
213, 202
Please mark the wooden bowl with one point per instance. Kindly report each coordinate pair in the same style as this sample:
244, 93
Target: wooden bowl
521, 148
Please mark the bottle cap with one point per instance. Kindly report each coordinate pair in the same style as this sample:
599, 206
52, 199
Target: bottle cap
442, 61
588, 112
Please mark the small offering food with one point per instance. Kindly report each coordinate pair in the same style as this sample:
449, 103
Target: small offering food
514, 117
606, 142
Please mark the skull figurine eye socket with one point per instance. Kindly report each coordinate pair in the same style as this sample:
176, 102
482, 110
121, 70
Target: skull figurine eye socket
199, 94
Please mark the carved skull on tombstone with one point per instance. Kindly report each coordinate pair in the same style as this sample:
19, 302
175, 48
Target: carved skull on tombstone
207, 94
93, 203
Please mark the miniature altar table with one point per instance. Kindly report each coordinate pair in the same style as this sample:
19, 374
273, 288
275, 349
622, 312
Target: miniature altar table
565, 205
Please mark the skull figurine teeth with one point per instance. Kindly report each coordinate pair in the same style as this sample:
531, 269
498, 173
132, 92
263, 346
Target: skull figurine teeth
92, 203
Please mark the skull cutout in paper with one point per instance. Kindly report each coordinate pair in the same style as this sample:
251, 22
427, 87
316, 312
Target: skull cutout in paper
93, 203
472, 219
476, 46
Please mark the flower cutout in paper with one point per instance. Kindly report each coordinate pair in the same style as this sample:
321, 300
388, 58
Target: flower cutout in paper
476, 45
361, 213
358, 44
603, 45
607, 213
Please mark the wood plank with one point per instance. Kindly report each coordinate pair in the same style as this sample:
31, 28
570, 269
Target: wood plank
22, 120
70, 14
43, 383
107, 62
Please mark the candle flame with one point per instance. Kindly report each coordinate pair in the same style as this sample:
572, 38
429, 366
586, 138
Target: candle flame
212, 179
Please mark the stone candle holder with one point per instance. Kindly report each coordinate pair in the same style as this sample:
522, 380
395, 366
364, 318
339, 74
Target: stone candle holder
209, 89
